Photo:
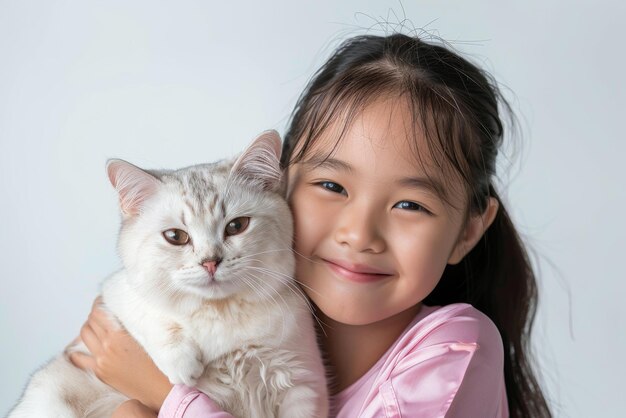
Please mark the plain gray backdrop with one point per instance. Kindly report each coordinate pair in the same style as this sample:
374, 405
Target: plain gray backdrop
168, 84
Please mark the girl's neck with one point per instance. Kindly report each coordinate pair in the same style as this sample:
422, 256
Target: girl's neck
351, 350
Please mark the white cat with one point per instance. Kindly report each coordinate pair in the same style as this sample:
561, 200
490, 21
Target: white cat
207, 290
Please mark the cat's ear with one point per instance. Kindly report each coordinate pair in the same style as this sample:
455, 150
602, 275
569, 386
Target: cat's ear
260, 162
133, 185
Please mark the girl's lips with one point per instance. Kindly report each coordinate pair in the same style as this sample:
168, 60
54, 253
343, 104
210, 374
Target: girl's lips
356, 272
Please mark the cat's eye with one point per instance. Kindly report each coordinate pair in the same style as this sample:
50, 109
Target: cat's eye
176, 236
237, 226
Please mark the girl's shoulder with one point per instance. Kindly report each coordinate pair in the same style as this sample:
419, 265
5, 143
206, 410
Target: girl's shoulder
446, 332
457, 326
460, 322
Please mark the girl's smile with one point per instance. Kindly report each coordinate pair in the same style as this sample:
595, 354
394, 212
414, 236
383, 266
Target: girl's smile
359, 273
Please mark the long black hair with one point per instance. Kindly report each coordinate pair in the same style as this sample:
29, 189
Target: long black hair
457, 107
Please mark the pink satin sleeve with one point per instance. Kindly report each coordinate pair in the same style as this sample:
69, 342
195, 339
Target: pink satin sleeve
448, 364
186, 402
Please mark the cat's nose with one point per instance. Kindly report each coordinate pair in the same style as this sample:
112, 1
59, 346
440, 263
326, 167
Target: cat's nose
211, 265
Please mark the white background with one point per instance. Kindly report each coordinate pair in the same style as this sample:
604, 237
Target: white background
168, 84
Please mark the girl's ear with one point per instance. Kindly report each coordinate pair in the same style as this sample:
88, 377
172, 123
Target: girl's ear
133, 185
260, 162
476, 227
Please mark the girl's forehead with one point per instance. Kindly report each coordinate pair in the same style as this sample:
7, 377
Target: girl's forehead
379, 134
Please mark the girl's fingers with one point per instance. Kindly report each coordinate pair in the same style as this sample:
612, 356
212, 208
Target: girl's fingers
90, 339
97, 325
100, 320
83, 361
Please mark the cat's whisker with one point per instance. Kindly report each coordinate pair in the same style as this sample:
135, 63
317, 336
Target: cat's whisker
292, 279
293, 287
260, 291
290, 282
299, 254
270, 288
254, 288
264, 252
277, 304
285, 278
257, 285
266, 291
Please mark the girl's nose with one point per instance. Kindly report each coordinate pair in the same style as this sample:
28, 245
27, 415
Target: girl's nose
359, 229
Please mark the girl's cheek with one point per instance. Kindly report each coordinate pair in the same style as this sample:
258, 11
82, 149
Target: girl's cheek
312, 219
301, 214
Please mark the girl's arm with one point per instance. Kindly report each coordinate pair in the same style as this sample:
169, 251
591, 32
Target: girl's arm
186, 402
119, 361
183, 402
133, 409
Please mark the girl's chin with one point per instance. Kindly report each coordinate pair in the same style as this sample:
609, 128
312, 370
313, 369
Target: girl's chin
345, 314
356, 313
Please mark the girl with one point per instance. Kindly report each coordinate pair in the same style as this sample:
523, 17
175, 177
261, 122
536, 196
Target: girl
423, 288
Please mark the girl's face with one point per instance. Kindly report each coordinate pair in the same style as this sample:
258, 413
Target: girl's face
371, 235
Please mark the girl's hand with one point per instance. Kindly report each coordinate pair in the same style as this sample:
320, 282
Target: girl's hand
119, 361
133, 409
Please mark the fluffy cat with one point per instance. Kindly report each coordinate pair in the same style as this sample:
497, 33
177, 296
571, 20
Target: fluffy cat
207, 290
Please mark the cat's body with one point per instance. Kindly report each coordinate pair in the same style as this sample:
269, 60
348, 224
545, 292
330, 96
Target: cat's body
220, 312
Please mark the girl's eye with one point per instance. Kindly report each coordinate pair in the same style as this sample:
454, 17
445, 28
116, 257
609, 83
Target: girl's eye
407, 205
333, 187
176, 236
237, 226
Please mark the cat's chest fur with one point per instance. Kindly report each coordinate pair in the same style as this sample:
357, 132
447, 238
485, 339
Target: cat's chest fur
215, 327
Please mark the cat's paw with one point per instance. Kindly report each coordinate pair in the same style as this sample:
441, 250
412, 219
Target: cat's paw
182, 366
187, 372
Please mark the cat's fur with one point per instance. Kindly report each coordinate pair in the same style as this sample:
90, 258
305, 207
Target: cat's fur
245, 337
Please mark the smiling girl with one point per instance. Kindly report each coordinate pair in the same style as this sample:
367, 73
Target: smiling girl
422, 285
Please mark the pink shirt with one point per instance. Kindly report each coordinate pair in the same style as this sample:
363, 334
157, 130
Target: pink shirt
448, 362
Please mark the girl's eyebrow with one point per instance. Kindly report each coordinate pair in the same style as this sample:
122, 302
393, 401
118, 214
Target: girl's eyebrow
431, 185
318, 160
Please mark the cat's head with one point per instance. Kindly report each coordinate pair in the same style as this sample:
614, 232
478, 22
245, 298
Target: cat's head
209, 230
